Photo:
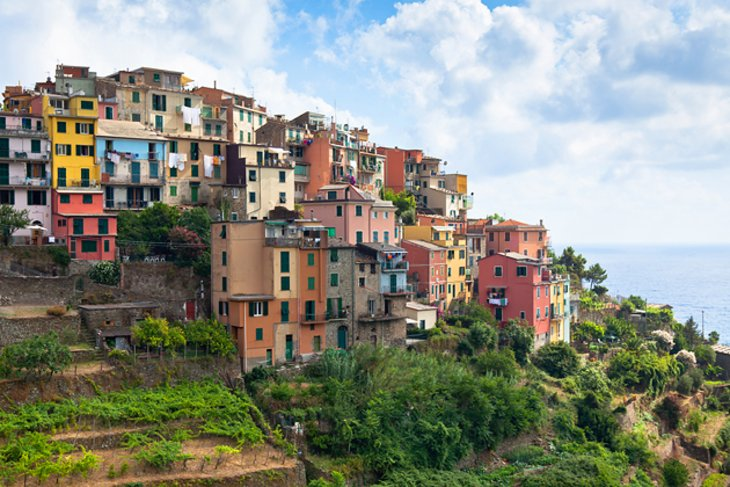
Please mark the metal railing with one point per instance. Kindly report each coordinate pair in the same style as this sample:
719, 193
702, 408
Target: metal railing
313, 317
80, 184
394, 266
24, 181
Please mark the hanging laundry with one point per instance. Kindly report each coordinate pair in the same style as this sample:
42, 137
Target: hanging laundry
181, 160
173, 159
115, 158
208, 166
217, 160
191, 116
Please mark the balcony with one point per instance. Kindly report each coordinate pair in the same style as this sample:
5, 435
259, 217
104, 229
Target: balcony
281, 242
379, 316
502, 302
24, 182
24, 156
127, 205
80, 185
398, 289
301, 174
311, 242
336, 315
314, 318
394, 266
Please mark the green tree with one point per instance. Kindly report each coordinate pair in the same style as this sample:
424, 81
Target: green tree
405, 204
674, 473
557, 359
595, 275
197, 220
573, 262
519, 338
588, 332
714, 337
495, 217
482, 336
619, 329
691, 333
35, 357
12, 220
147, 230
105, 272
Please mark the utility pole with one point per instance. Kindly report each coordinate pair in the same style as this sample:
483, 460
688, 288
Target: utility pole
703, 324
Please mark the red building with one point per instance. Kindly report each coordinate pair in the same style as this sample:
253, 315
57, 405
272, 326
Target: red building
515, 286
401, 167
427, 271
80, 221
515, 236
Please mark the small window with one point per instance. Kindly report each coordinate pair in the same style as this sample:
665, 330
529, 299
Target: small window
507, 237
523, 315
285, 283
252, 197
282, 198
88, 199
35, 146
310, 283
358, 236
317, 343
334, 280
339, 210
252, 175
282, 176
65, 198
310, 259
173, 190
334, 257
135, 97
61, 127
498, 271
358, 210
88, 245
375, 236
521, 271
259, 334
103, 226
216, 150
331, 195
194, 170
361, 281
224, 258
224, 284
87, 105
375, 215
136, 117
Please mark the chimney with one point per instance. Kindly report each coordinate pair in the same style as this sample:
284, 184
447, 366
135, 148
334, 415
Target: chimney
540, 221
215, 84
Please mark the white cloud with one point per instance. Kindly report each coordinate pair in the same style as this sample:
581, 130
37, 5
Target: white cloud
571, 110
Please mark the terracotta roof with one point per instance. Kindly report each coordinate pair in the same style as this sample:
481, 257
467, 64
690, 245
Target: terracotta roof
125, 130
425, 245
511, 223
420, 307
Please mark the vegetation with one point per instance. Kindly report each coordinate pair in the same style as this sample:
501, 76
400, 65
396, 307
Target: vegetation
36, 357
105, 272
208, 335
11, 220
675, 474
557, 359
405, 204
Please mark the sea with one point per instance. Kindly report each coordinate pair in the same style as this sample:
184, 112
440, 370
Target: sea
694, 280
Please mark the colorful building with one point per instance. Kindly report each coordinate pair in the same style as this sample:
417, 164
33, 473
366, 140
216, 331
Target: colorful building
25, 172
243, 116
457, 285
401, 168
518, 287
356, 216
132, 164
514, 236
427, 271
77, 198
268, 175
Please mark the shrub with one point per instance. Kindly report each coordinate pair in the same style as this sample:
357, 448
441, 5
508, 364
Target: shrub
162, 454
705, 355
636, 447
564, 425
56, 311
501, 363
105, 272
282, 392
593, 380
643, 370
527, 455
684, 385
557, 359
715, 480
695, 420
669, 411
519, 338
722, 440
59, 254
35, 356
675, 474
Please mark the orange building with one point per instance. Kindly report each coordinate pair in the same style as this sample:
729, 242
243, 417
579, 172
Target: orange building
401, 167
514, 236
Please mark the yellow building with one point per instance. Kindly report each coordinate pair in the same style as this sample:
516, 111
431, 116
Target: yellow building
72, 140
455, 247
559, 309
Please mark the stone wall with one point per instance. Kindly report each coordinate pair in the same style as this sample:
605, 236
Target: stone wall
344, 267
13, 330
29, 260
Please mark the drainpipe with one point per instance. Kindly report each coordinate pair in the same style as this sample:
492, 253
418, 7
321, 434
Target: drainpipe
245, 342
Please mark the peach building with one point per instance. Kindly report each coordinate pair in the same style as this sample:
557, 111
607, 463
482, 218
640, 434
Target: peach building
356, 216
514, 236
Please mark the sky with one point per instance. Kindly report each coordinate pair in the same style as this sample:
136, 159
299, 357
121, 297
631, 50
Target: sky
608, 119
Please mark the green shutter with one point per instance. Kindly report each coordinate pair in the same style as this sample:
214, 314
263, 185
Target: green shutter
194, 170
103, 226
284, 261
259, 334
78, 226
310, 259
285, 311
266, 308
310, 283
250, 308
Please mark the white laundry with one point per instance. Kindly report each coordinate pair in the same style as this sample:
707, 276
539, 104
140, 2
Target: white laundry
191, 116
115, 158
172, 159
208, 166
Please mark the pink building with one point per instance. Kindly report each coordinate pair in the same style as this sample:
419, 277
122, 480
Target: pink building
427, 271
356, 216
79, 221
515, 286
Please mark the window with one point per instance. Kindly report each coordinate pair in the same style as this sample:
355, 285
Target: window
524, 236
358, 236
339, 210
78, 226
173, 146
282, 198
240, 135
36, 198
259, 334
35, 146
159, 123
2, 123
135, 97
65, 198
282, 176
252, 197
537, 315
375, 236
224, 258
194, 151
538, 291
173, 190
310, 283
507, 236
159, 103
523, 315
358, 210
63, 150
498, 314
334, 280
375, 215
361, 282
136, 117
84, 150
222, 308
285, 283
173, 172
189, 128
103, 226
224, 284
154, 170
334, 257
317, 343
252, 174
310, 309
88, 199
258, 308
546, 312
88, 245
331, 195
87, 105
284, 311
188, 102
371, 306
310, 259
218, 130
223, 232
462, 254
194, 170
85, 128
521, 271
216, 149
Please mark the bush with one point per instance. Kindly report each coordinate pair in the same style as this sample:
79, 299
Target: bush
636, 447
106, 272
59, 254
501, 363
56, 311
675, 474
566, 429
35, 356
519, 338
557, 359
705, 355
695, 420
162, 454
715, 480
669, 411
526, 455
643, 370
722, 440
684, 385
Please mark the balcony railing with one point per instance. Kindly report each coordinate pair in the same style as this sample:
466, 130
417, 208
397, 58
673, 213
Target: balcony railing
32, 182
498, 301
25, 156
281, 242
394, 266
127, 205
80, 185
336, 315
314, 317
398, 289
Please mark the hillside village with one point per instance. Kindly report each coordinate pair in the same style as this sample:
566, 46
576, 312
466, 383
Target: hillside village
195, 289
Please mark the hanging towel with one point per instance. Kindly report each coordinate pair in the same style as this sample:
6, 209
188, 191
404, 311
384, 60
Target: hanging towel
191, 116
208, 166
217, 160
115, 158
173, 159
